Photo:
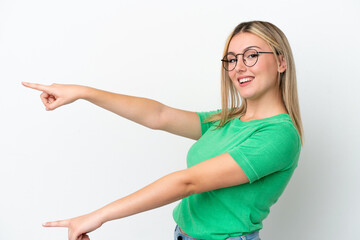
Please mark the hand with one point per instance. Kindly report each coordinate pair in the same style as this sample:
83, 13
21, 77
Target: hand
78, 227
56, 95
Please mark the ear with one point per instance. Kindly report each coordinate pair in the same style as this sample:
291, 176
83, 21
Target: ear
282, 64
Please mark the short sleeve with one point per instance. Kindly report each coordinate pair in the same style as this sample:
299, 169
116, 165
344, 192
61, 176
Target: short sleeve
273, 148
206, 125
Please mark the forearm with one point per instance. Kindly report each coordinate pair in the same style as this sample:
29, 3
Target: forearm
140, 110
166, 190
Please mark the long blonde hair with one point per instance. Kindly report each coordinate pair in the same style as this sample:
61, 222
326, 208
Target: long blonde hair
231, 106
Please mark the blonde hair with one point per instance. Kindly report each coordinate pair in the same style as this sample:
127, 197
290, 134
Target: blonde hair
231, 105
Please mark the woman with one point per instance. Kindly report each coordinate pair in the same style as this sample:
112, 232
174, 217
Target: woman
245, 154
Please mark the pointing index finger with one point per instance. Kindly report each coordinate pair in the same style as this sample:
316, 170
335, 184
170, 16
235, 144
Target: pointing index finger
62, 223
36, 86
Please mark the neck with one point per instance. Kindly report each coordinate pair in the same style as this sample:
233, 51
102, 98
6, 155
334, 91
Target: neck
264, 107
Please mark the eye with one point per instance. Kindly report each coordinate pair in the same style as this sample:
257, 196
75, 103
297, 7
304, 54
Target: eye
253, 55
232, 60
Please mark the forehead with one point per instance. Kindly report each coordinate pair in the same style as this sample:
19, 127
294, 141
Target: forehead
243, 40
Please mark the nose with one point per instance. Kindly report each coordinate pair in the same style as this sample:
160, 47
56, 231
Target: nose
240, 65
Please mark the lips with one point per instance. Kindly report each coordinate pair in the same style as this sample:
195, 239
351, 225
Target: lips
245, 80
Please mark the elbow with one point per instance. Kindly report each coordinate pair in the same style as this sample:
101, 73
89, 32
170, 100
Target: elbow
187, 187
153, 126
162, 120
153, 122
187, 183
157, 121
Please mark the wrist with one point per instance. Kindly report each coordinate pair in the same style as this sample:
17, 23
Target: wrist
84, 92
101, 215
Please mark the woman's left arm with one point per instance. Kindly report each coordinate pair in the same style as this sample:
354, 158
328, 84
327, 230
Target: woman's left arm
218, 172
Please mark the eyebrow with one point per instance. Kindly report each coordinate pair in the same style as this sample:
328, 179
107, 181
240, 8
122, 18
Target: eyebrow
248, 48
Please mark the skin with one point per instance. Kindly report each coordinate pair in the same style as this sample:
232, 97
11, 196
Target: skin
262, 95
263, 98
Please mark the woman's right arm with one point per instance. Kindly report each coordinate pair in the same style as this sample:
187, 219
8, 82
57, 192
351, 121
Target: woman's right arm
147, 112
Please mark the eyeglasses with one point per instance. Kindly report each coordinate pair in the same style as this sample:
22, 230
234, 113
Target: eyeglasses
249, 57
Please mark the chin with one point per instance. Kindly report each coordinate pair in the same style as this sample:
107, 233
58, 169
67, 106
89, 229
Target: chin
247, 95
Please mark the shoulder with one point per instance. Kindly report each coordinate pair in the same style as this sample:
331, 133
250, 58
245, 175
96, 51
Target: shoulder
281, 123
278, 131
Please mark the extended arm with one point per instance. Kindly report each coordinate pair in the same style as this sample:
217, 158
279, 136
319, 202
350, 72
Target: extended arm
218, 172
147, 112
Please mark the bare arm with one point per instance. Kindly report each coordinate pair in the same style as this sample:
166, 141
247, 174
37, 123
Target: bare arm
147, 112
218, 172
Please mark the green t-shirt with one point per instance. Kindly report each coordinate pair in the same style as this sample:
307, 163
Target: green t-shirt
267, 150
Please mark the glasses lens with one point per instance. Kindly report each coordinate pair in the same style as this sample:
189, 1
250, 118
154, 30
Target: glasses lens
250, 57
229, 62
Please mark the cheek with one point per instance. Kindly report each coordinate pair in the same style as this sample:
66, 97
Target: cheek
265, 70
260, 67
232, 76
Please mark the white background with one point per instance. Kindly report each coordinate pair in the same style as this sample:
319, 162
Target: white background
65, 163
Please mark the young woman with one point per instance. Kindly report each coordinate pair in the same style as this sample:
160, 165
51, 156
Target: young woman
246, 152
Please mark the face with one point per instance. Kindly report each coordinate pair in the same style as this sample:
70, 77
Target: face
260, 80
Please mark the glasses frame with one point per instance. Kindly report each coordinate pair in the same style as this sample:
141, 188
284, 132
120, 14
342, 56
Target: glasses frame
243, 58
